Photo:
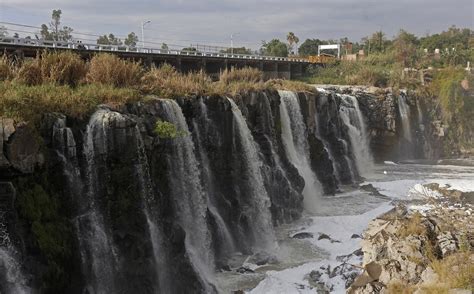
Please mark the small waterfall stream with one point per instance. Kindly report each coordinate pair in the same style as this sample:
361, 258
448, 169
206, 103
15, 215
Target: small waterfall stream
352, 117
294, 138
259, 210
188, 196
405, 114
223, 231
12, 280
97, 252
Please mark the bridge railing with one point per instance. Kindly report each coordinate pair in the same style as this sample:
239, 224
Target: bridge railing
24, 42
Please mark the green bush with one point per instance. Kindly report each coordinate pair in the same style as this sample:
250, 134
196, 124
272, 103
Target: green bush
167, 130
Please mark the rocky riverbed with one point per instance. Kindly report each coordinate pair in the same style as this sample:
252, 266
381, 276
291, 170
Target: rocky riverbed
359, 229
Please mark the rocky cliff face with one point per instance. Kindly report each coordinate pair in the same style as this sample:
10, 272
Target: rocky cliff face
107, 204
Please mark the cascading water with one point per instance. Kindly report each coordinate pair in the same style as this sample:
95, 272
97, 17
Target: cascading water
224, 234
12, 280
334, 137
188, 196
294, 138
420, 116
405, 114
97, 252
144, 179
352, 117
259, 210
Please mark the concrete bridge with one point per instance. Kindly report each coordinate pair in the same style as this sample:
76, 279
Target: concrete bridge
184, 60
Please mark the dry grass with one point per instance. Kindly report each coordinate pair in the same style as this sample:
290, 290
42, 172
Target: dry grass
456, 270
23, 102
413, 226
294, 86
108, 69
64, 68
397, 287
29, 73
62, 82
7, 69
61, 68
165, 81
246, 74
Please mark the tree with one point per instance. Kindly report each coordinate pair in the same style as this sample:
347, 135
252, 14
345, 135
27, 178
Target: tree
55, 32
109, 40
238, 50
405, 48
377, 42
274, 48
131, 40
292, 39
45, 34
164, 46
189, 49
55, 22
310, 47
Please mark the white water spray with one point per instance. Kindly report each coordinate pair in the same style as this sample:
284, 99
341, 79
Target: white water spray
259, 211
405, 117
294, 136
188, 196
352, 117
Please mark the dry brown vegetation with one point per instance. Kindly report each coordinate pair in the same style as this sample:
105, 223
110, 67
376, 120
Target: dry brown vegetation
64, 68
108, 69
6, 69
413, 226
63, 82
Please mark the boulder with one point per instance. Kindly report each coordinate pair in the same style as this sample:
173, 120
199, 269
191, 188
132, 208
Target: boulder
23, 149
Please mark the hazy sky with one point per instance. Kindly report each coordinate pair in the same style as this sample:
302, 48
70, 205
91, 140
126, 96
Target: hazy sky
213, 21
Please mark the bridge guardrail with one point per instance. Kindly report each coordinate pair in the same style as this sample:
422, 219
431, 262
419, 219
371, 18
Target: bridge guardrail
123, 48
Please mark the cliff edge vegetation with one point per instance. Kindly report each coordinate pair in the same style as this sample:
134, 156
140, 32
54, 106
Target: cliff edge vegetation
63, 82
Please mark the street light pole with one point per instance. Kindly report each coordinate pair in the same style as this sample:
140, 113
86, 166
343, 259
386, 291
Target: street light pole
143, 32
232, 42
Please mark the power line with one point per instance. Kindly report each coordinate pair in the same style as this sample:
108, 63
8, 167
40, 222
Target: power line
149, 40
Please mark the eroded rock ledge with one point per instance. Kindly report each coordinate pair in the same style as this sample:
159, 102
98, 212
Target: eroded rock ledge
419, 248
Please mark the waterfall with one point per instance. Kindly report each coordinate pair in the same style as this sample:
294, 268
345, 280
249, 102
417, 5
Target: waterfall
97, 252
12, 280
224, 234
146, 191
420, 116
294, 136
259, 209
352, 117
334, 137
405, 117
188, 196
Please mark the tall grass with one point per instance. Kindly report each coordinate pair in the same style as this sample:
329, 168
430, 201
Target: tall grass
64, 68
165, 81
246, 74
108, 69
7, 69
63, 82
23, 102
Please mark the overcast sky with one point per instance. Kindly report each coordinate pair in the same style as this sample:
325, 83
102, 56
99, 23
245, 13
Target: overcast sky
213, 21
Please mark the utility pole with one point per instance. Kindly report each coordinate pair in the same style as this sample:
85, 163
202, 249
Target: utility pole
232, 42
143, 31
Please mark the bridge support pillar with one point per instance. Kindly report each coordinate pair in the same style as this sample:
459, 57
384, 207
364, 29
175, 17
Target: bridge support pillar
283, 70
178, 64
270, 70
296, 70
